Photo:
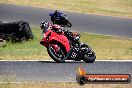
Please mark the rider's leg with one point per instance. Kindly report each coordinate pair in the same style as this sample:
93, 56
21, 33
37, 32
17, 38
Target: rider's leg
73, 52
69, 53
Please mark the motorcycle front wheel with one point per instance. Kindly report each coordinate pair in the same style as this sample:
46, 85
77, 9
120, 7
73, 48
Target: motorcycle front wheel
57, 55
89, 56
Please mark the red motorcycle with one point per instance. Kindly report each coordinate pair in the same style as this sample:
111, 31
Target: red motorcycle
58, 46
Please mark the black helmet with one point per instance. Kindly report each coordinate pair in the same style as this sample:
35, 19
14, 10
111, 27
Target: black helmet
56, 11
44, 25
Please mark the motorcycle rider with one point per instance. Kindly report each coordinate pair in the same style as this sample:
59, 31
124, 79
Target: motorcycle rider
58, 29
56, 16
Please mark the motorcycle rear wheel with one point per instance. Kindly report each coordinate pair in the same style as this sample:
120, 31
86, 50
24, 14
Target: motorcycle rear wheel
69, 24
58, 57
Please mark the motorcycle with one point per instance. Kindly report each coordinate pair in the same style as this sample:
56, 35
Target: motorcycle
61, 20
58, 46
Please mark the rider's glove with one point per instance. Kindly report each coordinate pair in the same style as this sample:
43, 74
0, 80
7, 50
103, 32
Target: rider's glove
77, 38
62, 29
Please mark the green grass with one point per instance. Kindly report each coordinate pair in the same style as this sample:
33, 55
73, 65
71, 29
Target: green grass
105, 47
107, 7
24, 51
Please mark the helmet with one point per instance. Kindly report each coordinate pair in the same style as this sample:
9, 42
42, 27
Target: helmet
45, 25
56, 11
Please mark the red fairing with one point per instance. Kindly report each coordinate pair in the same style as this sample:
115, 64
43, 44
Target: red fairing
50, 36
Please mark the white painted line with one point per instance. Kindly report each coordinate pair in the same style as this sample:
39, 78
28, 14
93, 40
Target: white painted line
26, 60
116, 60
70, 60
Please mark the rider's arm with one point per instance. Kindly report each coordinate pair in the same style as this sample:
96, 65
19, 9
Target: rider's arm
60, 14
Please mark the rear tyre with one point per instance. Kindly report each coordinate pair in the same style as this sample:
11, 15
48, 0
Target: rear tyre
58, 56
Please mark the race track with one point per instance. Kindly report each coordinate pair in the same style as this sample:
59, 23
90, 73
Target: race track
81, 22
48, 71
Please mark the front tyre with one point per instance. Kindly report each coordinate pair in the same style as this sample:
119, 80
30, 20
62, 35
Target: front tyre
57, 55
89, 56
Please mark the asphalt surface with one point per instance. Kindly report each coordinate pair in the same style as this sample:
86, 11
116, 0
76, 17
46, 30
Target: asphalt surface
81, 22
48, 71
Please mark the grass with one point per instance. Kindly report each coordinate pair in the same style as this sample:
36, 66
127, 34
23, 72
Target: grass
105, 47
107, 7
61, 85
